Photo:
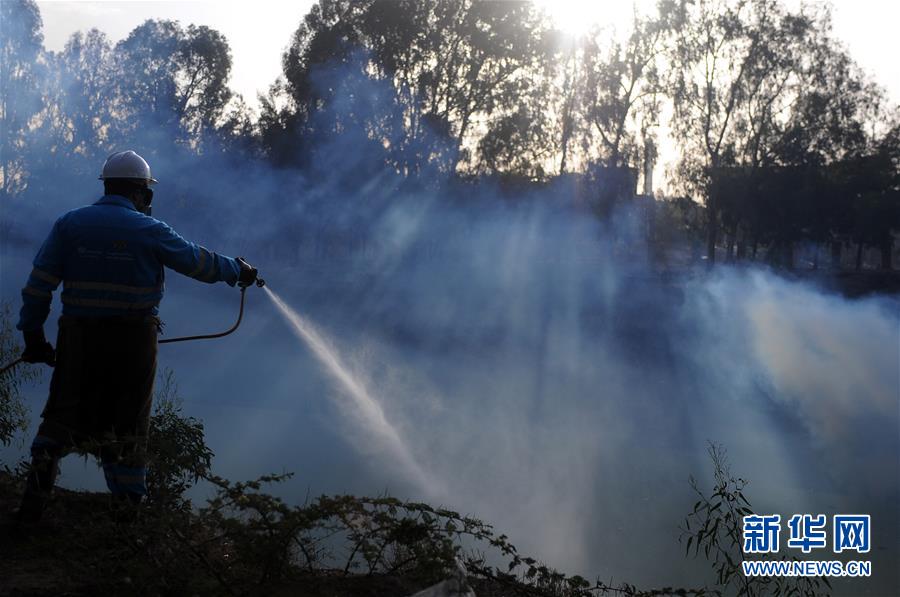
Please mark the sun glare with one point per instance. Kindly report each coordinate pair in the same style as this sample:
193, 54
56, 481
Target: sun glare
576, 17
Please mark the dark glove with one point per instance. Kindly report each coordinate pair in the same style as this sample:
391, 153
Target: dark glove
248, 273
37, 349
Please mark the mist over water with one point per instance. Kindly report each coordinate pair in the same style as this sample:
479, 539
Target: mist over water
502, 354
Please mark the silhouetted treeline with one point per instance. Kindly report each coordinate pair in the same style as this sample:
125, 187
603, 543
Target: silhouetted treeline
778, 133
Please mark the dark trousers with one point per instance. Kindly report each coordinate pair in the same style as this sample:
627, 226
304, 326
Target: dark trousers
100, 399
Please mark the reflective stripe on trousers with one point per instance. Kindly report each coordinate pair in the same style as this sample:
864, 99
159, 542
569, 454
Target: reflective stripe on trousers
122, 479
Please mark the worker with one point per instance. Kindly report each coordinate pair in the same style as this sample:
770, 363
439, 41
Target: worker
109, 256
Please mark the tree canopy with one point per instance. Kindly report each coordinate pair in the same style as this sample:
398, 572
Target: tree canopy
778, 133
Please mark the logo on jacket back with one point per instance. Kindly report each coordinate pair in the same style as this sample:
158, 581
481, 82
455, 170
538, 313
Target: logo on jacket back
118, 252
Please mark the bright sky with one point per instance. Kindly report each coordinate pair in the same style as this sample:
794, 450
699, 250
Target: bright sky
259, 31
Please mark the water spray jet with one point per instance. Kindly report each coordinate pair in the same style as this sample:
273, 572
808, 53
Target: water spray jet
365, 407
370, 412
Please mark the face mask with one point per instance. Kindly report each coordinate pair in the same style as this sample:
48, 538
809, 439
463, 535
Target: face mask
148, 199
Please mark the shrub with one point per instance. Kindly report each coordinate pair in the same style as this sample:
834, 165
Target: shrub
715, 526
13, 413
178, 455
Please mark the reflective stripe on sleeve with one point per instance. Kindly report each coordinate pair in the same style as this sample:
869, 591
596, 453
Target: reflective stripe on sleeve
46, 294
211, 275
46, 277
201, 263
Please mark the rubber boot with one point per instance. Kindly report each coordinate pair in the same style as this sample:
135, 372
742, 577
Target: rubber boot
38, 487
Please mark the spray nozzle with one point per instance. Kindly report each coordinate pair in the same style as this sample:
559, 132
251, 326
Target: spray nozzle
248, 274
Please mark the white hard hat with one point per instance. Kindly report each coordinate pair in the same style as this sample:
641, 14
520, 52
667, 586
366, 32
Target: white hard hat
127, 164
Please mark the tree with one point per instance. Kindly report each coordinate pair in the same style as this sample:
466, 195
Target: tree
570, 61
13, 412
81, 119
828, 122
876, 201
518, 144
145, 76
22, 68
203, 64
839, 133
484, 55
327, 36
456, 62
451, 63
172, 78
734, 70
621, 85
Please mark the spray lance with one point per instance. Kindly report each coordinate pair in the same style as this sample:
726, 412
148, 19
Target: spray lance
259, 283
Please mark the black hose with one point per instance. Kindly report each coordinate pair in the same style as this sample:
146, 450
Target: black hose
259, 283
211, 336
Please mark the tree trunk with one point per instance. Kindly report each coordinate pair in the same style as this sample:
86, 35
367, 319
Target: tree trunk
742, 248
887, 254
567, 120
712, 232
836, 251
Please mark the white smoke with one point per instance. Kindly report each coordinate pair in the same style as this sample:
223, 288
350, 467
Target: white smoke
518, 365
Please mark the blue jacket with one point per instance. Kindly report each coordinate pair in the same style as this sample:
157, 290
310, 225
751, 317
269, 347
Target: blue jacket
110, 258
